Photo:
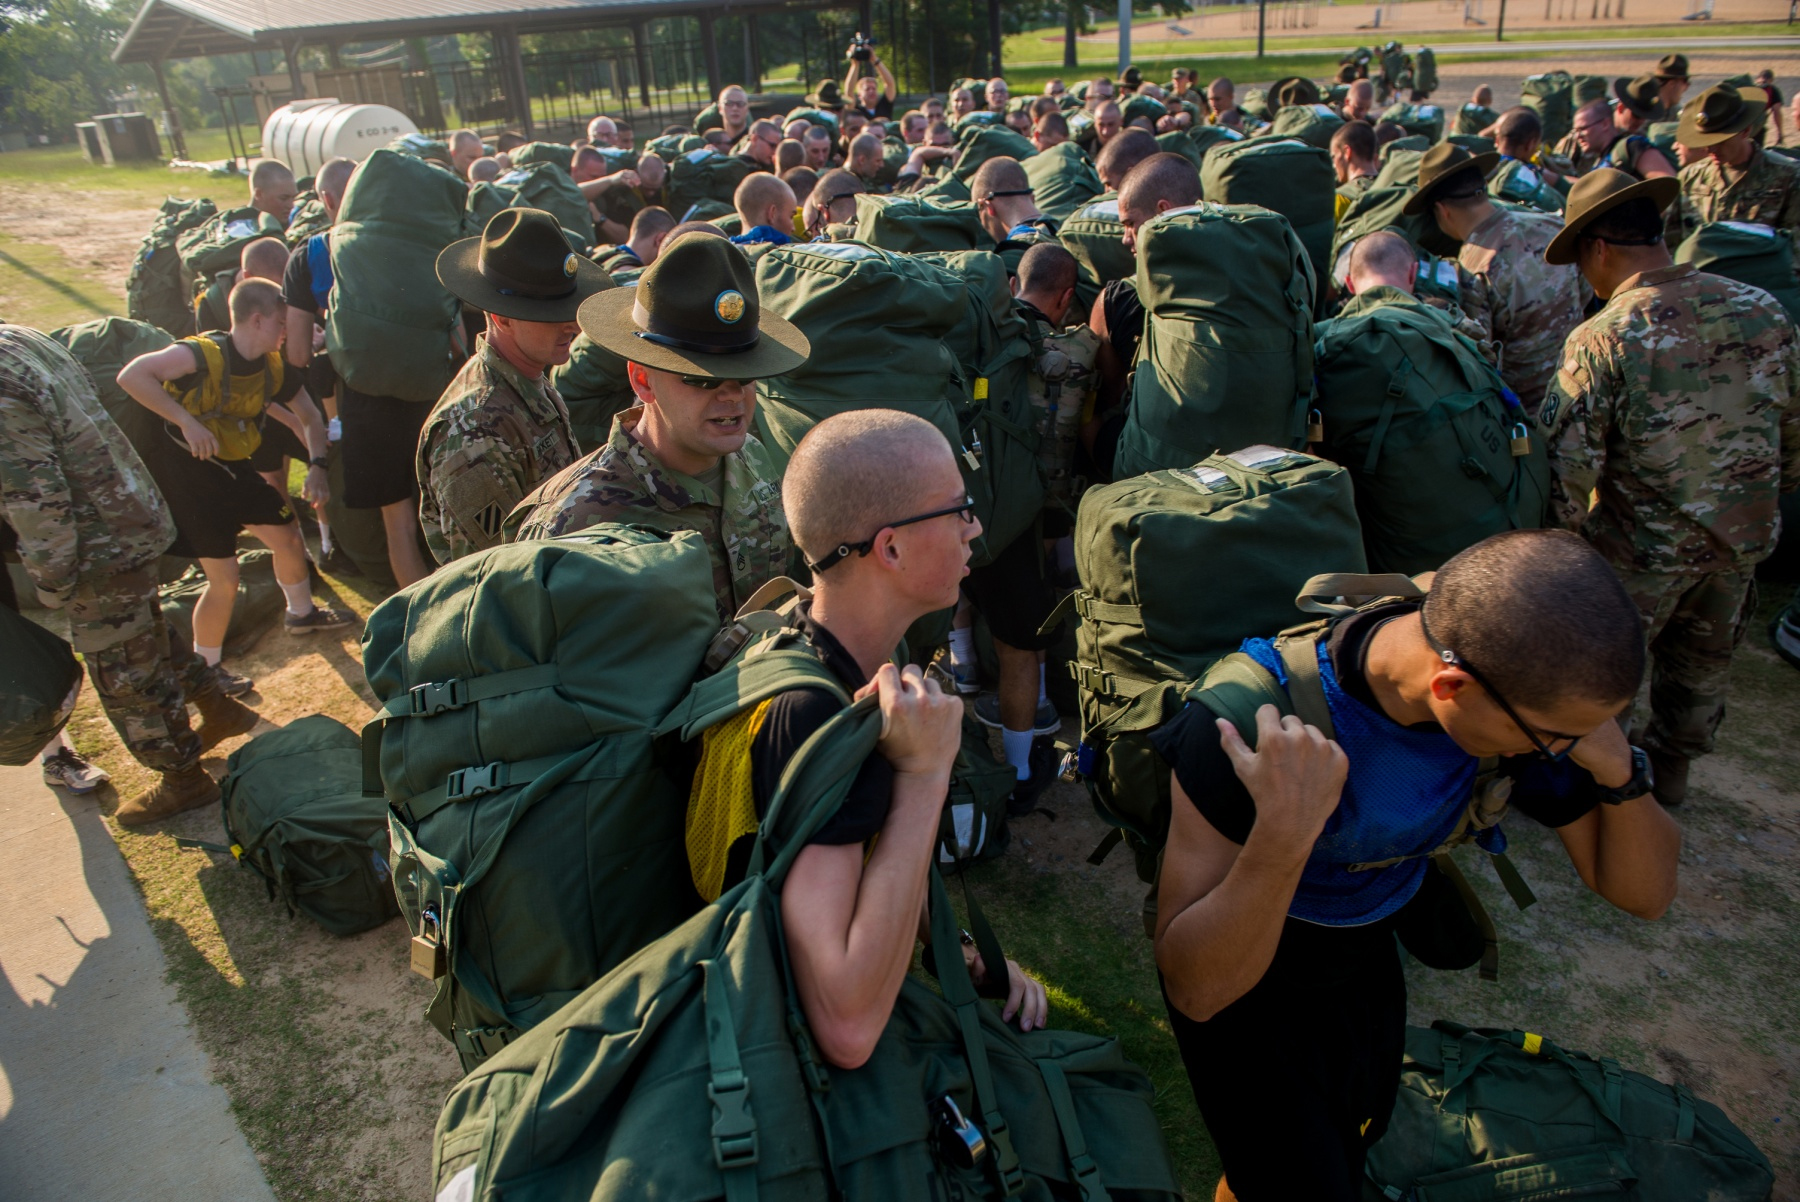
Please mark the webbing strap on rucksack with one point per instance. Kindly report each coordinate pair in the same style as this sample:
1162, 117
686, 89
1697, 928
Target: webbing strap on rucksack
734, 1124
441, 696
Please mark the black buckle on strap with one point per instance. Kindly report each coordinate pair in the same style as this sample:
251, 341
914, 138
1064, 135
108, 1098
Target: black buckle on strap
466, 783
437, 697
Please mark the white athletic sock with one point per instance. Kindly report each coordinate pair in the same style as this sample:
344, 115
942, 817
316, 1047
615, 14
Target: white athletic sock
57, 744
299, 597
962, 646
324, 540
212, 655
1043, 692
1018, 750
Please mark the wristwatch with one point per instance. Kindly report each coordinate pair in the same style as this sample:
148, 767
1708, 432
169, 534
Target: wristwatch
321, 461
1643, 779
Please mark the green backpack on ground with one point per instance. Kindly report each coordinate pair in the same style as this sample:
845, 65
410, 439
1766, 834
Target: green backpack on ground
1418, 120
104, 346
39, 682
1551, 96
296, 816
1282, 175
909, 224
543, 185
1473, 118
690, 1071
217, 244
704, 175
1062, 180
1753, 254
1486, 1114
258, 606
157, 290
1094, 235
1137, 105
558, 153
393, 329
1311, 123
1205, 137
537, 836
1151, 552
976, 144
593, 385
1226, 357
1441, 453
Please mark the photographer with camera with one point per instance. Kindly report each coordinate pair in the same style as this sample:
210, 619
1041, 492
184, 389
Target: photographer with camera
873, 98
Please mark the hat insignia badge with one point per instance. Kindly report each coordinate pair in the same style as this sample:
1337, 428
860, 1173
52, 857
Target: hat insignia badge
569, 266
729, 305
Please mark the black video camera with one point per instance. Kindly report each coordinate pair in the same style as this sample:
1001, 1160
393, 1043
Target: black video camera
862, 49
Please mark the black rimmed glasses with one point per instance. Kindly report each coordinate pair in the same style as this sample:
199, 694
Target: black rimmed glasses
842, 551
1456, 661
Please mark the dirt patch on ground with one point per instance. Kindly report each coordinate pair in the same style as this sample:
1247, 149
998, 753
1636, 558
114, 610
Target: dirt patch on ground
100, 245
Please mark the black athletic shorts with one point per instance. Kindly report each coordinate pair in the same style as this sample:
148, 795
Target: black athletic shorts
212, 500
1013, 593
278, 445
380, 447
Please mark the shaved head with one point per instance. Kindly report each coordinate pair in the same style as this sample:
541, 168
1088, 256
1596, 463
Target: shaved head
270, 173
1124, 152
1170, 178
484, 171
255, 298
855, 471
760, 196
1380, 258
264, 259
998, 175
333, 178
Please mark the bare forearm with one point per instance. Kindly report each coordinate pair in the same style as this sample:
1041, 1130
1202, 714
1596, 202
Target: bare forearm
878, 943
1628, 854
1214, 951
147, 390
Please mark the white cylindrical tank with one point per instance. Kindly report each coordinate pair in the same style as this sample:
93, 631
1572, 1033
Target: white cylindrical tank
305, 134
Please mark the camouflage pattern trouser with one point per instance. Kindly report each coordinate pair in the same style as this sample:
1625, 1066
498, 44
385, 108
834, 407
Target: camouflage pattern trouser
1693, 623
139, 671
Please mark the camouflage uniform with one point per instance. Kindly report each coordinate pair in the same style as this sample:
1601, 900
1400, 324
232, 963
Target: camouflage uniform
1021, 238
1528, 306
747, 532
1766, 192
1520, 182
90, 525
621, 264
1680, 403
490, 439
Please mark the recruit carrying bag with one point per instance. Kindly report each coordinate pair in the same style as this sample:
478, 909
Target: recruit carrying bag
39, 681
103, 347
537, 835
1487, 1114
296, 816
158, 289
1551, 96
1283, 175
217, 244
1440, 450
704, 175
593, 386
691, 1072
1094, 235
1062, 180
1150, 552
393, 329
1758, 255
909, 224
1226, 357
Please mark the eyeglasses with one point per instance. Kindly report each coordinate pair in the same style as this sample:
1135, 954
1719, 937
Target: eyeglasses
1456, 661
708, 383
966, 511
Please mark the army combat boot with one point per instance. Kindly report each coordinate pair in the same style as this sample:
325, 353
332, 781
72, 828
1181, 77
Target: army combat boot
179, 790
221, 717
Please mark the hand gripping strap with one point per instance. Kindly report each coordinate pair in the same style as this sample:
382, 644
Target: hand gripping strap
440, 697
734, 1122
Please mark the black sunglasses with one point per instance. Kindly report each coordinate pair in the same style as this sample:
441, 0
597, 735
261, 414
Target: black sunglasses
1456, 661
708, 383
966, 511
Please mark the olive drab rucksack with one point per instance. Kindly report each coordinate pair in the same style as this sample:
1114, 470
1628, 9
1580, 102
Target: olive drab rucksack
1440, 450
544, 185
103, 347
1311, 123
1062, 180
1425, 76
976, 144
1551, 96
1486, 1113
1420, 120
217, 244
558, 153
295, 814
1150, 552
910, 224
1283, 175
701, 176
308, 218
1750, 253
1226, 357
1094, 235
158, 289
691, 1070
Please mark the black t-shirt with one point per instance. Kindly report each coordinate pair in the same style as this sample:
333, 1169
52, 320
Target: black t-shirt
1124, 318
237, 365
297, 281
884, 108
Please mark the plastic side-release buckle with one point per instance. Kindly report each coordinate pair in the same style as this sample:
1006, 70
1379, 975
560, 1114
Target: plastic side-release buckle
734, 1127
437, 697
466, 783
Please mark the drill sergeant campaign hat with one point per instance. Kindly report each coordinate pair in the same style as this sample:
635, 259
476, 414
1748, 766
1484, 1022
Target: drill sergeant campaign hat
695, 311
1718, 113
1597, 192
1293, 89
1438, 166
1672, 66
521, 267
1639, 96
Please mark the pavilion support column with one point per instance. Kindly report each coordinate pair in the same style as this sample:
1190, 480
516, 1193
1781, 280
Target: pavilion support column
865, 15
506, 49
291, 51
177, 141
752, 70
709, 47
640, 48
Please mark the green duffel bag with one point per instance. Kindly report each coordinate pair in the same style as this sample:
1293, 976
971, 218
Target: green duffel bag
1662, 136
976, 144
691, 1071
1379, 208
1425, 76
908, 224
1062, 180
1440, 451
559, 153
1758, 255
39, 682
979, 119
296, 816
1150, 552
1205, 137
593, 385
945, 187
1589, 88
425, 149
547, 187
259, 603
894, 155
486, 201
218, 243
1226, 357
1095, 236
158, 289
1255, 105
1311, 123
1177, 141
670, 146
1473, 143
1137, 105
1418, 120
704, 175
1282, 175
308, 218
811, 116
103, 347
711, 118
1551, 96
393, 330
538, 837
1473, 118
973, 825
1485, 1113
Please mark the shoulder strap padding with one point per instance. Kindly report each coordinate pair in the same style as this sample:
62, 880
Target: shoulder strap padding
757, 675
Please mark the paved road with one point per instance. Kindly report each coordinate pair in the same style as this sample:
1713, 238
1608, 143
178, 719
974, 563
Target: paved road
1689, 46
104, 1095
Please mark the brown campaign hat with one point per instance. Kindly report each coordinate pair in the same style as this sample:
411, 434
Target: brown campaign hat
827, 97
1438, 166
696, 311
1719, 113
521, 267
1672, 66
1639, 96
1597, 192
1293, 89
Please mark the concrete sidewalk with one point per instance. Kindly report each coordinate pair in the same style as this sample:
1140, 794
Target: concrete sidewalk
104, 1096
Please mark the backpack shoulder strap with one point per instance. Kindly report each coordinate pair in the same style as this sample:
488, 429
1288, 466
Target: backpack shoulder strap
1235, 688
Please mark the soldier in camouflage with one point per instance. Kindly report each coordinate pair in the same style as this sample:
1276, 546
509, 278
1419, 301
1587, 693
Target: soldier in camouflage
90, 524
1737, 180
1679, 406
1003, 198
500, 429
695, 339
1527, 305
